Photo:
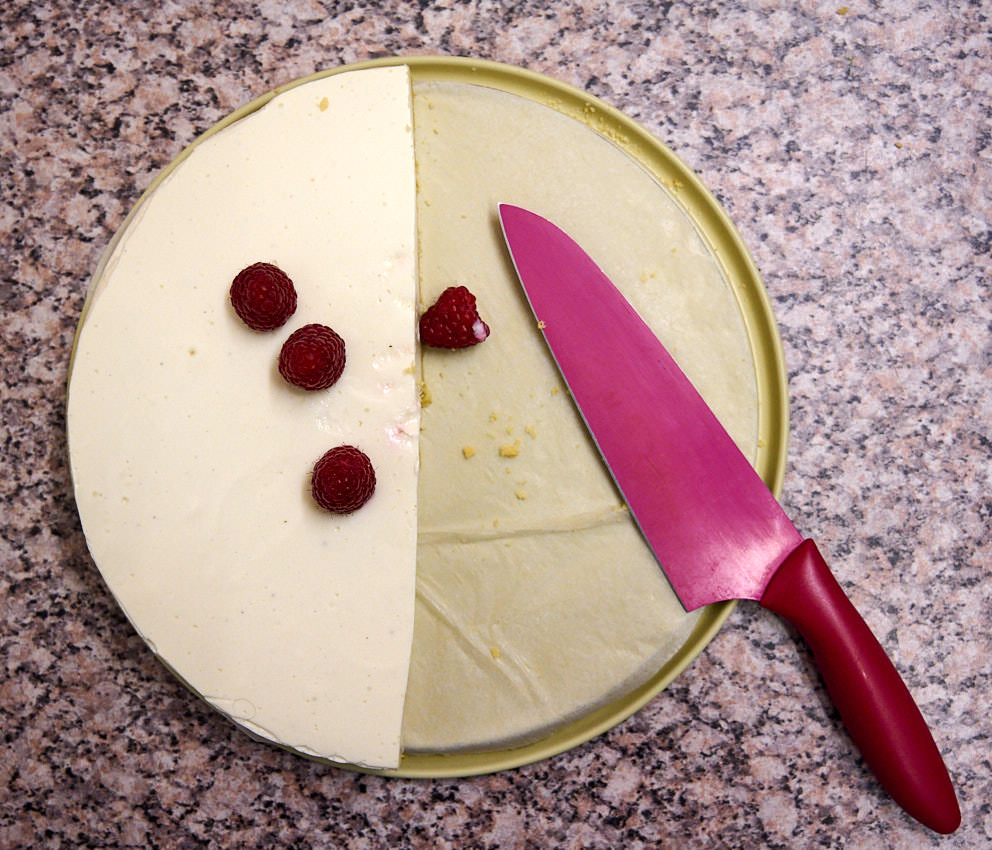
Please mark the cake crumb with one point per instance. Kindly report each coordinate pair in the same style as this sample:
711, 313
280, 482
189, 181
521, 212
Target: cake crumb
494, 652
425, 395
510, 450
542, 324
324, 103
468, 451
531, 431
520, 494
493, 416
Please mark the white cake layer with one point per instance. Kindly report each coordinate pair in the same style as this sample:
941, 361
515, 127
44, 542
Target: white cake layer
192, 456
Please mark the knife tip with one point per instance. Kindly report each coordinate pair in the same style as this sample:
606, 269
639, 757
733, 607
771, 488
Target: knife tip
513, 212
505, 211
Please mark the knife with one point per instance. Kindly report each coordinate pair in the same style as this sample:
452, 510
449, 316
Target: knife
716, 529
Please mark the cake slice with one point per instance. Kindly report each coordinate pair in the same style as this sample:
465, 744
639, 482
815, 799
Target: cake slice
192, 456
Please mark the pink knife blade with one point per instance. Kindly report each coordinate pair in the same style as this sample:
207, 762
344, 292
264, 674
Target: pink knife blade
716, 529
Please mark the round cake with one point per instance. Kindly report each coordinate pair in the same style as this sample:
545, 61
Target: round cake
494, 588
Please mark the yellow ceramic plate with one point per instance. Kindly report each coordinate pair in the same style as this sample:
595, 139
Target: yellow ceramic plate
717, 229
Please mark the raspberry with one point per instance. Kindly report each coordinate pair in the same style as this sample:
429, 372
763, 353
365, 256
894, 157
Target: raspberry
263, 296
453, 321
312, 357
343, 480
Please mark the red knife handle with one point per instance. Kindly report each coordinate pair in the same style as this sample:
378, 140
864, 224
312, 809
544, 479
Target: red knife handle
874, 702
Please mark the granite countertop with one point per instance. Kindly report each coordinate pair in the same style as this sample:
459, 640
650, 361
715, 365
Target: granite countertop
850, 145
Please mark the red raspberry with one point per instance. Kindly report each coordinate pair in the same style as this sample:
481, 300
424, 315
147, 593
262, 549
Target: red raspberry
453, 321
263, 296
343, 480
312, 357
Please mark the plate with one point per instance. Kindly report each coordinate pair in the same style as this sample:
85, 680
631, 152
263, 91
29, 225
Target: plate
718, 231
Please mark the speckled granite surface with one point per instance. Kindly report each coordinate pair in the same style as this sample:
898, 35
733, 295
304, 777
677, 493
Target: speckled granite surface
851, 146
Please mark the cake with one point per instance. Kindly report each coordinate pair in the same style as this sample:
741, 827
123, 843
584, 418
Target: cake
191, 455
494, 588
537, 599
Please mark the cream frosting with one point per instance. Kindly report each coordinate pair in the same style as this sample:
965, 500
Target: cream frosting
191, 456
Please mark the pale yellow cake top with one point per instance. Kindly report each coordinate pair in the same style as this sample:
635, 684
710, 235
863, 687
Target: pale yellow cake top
537, 599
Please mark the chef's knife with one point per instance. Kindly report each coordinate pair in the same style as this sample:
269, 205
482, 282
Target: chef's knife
715, 528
